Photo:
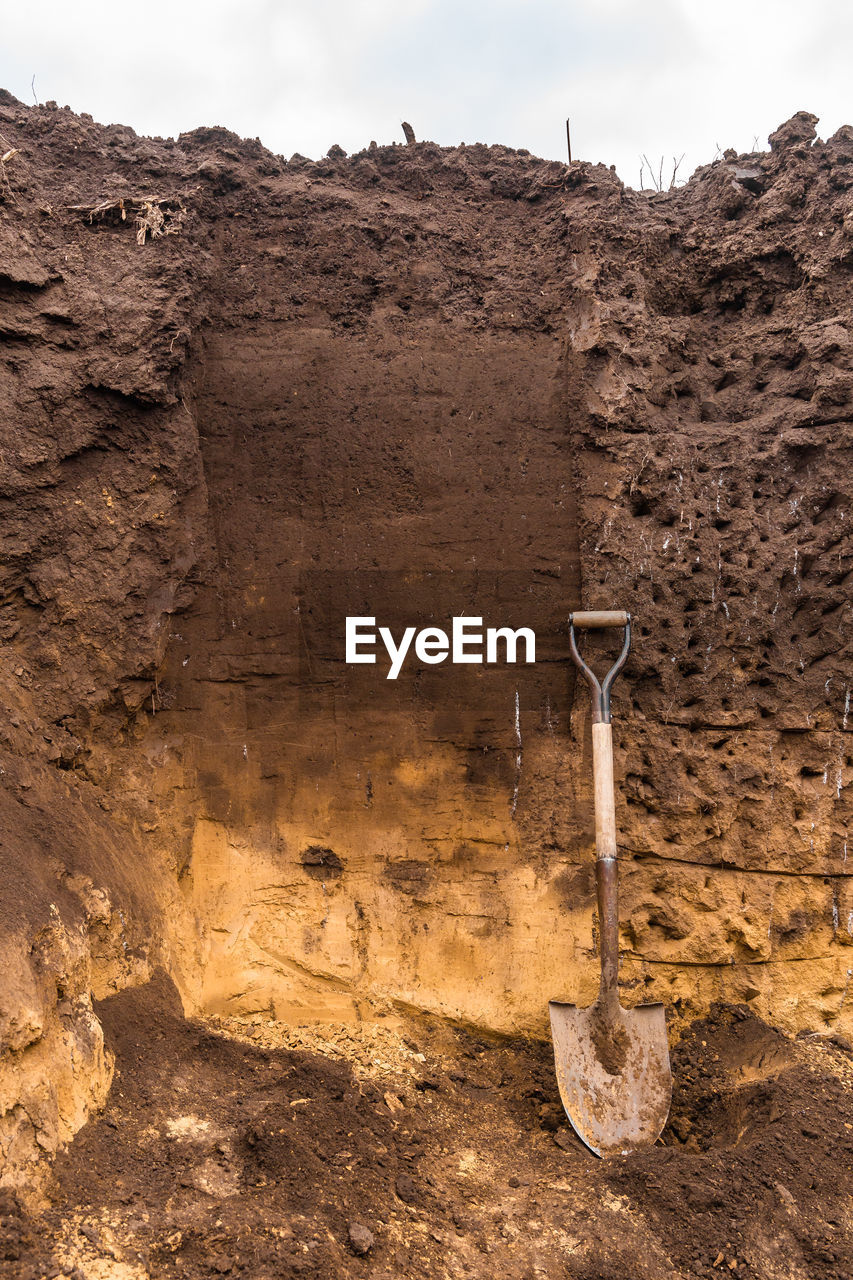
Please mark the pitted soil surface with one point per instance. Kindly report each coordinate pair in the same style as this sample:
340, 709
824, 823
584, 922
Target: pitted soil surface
416, 1149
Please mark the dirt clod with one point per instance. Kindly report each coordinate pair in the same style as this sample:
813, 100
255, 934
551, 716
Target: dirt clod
611, 1043
361, 1238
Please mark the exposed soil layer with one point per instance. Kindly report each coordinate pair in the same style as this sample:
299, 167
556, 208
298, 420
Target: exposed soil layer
411, 1150
417, 383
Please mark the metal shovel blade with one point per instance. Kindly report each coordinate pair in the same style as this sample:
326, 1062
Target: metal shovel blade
614, 1076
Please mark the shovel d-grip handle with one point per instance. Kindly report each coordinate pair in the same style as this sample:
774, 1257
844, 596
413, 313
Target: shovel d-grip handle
600, 691
605, 804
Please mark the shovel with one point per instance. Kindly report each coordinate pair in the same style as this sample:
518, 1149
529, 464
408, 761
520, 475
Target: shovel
612, 1063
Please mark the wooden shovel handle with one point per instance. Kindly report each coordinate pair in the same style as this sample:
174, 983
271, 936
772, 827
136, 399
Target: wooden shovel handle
606, 875
599, 618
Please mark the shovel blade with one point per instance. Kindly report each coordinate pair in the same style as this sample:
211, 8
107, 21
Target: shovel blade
616, 1084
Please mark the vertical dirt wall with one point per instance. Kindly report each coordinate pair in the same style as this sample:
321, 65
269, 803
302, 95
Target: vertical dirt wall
355, 839
606, 402
414, 383
717, 489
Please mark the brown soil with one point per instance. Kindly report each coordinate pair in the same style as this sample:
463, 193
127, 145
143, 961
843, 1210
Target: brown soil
231, 1152
611, 1043
417, 382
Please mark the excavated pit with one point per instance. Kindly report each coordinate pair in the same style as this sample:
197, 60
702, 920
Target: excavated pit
247, 1147
417, 383
335, 491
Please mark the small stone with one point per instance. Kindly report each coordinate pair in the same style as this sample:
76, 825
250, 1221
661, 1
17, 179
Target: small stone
550, 1116
361, 1238
785, 1195
406, 1189
681, 1127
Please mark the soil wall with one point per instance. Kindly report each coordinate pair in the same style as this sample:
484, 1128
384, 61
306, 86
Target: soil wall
415, 383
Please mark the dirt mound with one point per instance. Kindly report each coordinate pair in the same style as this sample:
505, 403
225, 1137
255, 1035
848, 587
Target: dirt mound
759, 1147
447, 1154
727, 1094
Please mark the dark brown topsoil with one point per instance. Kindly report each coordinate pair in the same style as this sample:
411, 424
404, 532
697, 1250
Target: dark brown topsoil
216, 1157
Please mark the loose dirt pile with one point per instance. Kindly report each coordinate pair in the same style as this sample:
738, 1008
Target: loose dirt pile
419, 1150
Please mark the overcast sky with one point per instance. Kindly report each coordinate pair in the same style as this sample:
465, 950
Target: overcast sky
660, 77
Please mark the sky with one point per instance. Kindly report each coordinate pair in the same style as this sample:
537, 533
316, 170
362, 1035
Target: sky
660, 78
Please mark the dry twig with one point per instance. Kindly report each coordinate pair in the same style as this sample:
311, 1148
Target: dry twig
8, 155
155, 220
656, 179
154, 216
